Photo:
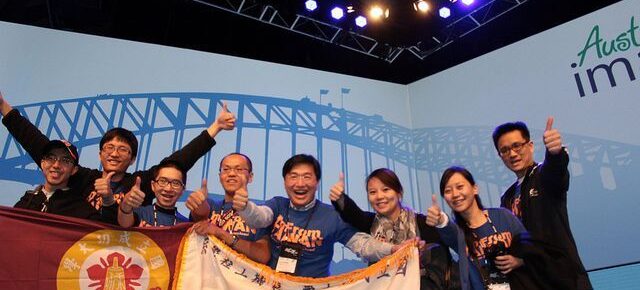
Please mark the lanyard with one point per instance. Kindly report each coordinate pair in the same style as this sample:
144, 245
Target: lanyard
155, 216
224, 217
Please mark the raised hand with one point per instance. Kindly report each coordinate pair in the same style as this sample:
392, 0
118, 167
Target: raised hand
241, 196
102, 186
197, 201
5, 108
552, 138
226, 120
133, 198
434, 213
337, 190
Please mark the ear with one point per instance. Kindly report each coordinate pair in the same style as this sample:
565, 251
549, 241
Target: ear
74, 170
153, 186
250, 179
475, 189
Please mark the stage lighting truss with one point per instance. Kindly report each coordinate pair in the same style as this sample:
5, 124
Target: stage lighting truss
353, 40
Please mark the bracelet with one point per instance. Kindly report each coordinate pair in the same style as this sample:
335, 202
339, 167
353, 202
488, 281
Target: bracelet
234, 241
124, 212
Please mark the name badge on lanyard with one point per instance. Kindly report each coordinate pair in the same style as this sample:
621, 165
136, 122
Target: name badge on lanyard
289, 256
500, 286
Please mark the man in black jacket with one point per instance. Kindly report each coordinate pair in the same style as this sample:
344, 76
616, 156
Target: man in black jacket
59, 162
118, 150
539, 196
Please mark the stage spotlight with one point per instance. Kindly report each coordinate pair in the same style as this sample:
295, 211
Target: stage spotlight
361, 21
337, 13
377, 12
421, 6
311, 5
467, 2
444, 12
350, 9
453, 1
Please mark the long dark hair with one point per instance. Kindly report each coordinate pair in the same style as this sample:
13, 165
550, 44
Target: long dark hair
460, 221
388, 178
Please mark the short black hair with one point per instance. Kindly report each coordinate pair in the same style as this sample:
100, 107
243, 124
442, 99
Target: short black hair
170, 164
123, 135
237, 153
302, 159
508, 127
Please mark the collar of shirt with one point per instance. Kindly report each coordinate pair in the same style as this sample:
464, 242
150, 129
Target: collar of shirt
304, 207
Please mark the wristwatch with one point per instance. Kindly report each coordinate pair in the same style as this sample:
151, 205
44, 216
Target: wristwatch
234, 241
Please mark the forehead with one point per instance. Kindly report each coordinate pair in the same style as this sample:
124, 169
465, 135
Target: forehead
374, 181
170, 173
117, 142
510, 137
58, 152
301, 169
234, 160
456, 178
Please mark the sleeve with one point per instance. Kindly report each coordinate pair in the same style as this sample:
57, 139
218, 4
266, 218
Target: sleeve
259, 216
27, 134
353, 215
367, 247
427, 233
554, 173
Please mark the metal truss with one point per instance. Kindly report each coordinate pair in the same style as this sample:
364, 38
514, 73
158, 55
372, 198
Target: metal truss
354, 41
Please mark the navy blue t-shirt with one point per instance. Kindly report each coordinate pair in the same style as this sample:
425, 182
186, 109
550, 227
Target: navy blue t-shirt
225, 217
325, 228
144, 216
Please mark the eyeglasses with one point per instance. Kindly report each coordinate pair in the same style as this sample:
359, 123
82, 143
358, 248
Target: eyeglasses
110, 148
304, 177
227, 170
175, 184
516, 147
64, 160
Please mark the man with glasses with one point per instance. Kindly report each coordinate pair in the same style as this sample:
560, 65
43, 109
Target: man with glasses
59, 162
303, 230
539, 197
105, 188
218, 218
168, 185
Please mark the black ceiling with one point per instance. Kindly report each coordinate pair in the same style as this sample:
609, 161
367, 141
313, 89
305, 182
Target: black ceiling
188, 24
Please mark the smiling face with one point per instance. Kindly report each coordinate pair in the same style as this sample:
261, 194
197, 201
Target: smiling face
57, 166
115, 155
459, 194
383, 198
301, 184
517, 160
168, 195
234, 173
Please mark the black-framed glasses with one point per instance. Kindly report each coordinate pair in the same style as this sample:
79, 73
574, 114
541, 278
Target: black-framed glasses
227, 170
110, 148
307, 177
516, 147
175, 184
64, 160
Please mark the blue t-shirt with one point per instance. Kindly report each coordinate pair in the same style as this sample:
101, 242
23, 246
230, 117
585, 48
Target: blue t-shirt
325, 227
225, 217
144, 216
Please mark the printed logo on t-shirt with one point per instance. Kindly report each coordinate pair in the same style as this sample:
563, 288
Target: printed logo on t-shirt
288, 232
229, 221
491, 242
96, 200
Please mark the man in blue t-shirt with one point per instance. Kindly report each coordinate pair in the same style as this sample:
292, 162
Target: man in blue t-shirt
168, 183
218, 218
302, 229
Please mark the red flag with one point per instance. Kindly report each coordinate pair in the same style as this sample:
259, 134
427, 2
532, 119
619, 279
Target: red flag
46, 251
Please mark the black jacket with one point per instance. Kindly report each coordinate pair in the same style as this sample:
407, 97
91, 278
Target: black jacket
62, 202
543, 205
33, 141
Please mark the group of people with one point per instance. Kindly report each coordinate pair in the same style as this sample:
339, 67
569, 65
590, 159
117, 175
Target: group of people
525, 244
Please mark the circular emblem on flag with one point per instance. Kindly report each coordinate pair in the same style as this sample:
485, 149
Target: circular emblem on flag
118, 260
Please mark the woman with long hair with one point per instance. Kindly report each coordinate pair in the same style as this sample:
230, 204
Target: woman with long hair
394, 223
495, 240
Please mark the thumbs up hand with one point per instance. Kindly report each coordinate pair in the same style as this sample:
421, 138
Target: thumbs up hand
226, 120
197, 202
133, 198
241, 196
102, 186
337, 190
434, 213
552, 138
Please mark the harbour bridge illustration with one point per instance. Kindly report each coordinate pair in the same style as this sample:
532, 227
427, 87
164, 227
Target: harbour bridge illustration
354, 142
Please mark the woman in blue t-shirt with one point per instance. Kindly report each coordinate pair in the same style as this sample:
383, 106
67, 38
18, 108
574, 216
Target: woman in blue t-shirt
496, 241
